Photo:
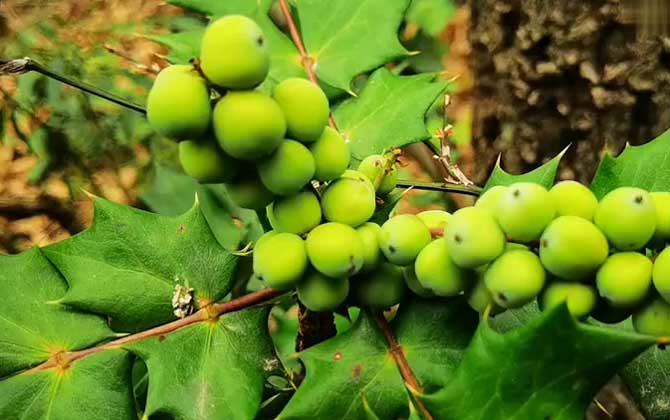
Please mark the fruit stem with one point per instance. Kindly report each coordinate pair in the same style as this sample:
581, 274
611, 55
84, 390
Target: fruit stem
442, 186
24, 65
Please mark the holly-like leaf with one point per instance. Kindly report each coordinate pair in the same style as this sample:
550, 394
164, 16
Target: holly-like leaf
637, 166
431, 16
96, 387
550, 368
210, 370
383, 210
31, 330
183, 45
127, 264
350, 37
353, 374
222, 8
390, 112
544, 175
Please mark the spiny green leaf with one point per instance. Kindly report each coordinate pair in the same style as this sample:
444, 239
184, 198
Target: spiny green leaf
210, 370
550, 368
96, 387
544, 175
127, 264
637, 166
227, 7
390, 112
383, 211
431, 16
183, 45
31, 330
350, 37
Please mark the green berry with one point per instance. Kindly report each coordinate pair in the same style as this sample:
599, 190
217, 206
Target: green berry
524, 211
248, 124
473, 237
264, 237
234, 53
305, 107
331, 155
437, 273
402, 238
297, 213
369, 233
435, 220
489, 200
350, 200
661, 202
480, 298
573, 248
627, 217
320, 293
624, 279
413, 283
374, 167
380, 288
289, 168
178, 103
661, 274
280, 260
515, 278
335, 249
580, 298
249, 192
653, 319
574, 199
204, 161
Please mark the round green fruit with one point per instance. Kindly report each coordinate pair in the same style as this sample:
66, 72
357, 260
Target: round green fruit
289, 168
480, 298
280, 260
374, 167
305, 107
350, 200
627, 217
573, 248
380, 288
204, 161
624, 279
320, 293
331, 155
369, 233
402, 238
581, 299
473, 237
489, 200
515, 278
435, 220
524, 211
264, 237
661, 202
413, 283
335, 249
234, 53
653, 319
574, 199
178, 103
249, 192
297, 213
661, 274
248, 124
437, 273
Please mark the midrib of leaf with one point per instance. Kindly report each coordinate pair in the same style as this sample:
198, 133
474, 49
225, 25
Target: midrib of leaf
31, 333
53, 392
362, 394
37, 395
376, 110
341, 29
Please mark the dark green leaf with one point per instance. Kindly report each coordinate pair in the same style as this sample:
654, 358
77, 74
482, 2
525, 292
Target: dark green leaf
383, 210
544, 175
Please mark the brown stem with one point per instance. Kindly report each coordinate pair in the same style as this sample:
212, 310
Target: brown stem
401, 361
209, 312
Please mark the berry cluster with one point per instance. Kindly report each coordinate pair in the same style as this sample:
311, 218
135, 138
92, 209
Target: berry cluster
285, 136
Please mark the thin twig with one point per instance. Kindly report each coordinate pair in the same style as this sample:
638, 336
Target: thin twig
403, 365
441, 186
444, 157
64, 359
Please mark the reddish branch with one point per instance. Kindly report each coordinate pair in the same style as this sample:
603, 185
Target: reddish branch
210, 312
403, 365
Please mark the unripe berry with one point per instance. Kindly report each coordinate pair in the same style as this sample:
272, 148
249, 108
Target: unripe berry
305, 107
320, 293
264, 237
661, 202
349, 200
374, 168
574, 199
297, 213
489, 200
624, 279
248, 124
661, 274
524, 211
381, 288
435, 221
178, 103
204, 161
572, 248
515, 278
627, 218
480, 298
249, 192
653, 319
331, 155
437, 273
413, 283
335, 249
402, 238
280, 260
288, 169
473, 237
581, 299
369, 233
233, 53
